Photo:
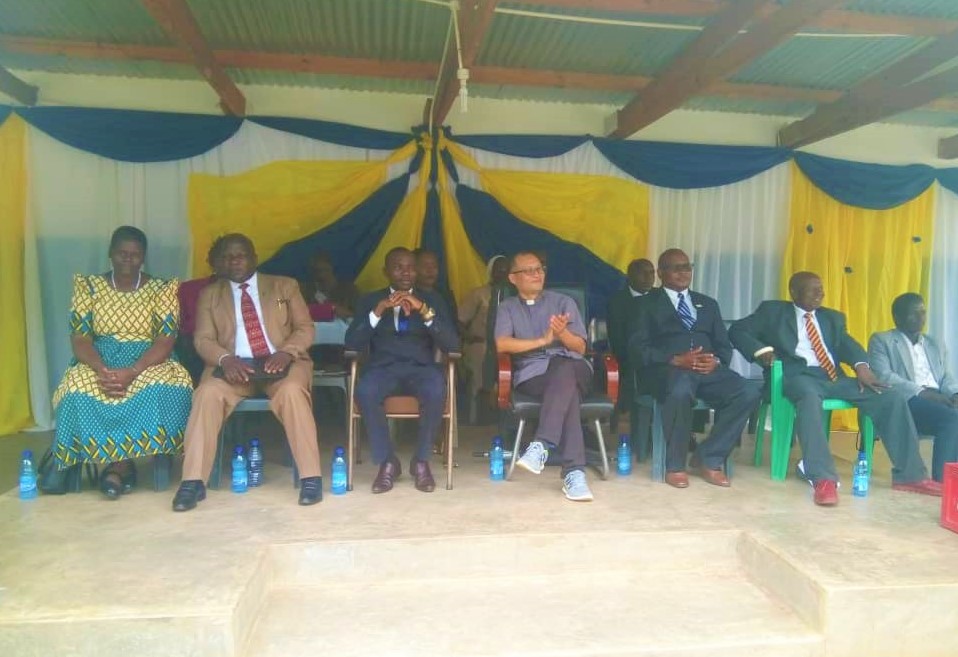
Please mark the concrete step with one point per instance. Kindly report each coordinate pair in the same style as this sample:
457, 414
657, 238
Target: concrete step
713, 612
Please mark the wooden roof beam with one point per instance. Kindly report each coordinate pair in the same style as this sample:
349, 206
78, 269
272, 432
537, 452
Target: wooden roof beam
475, 17
677, 85
20, 91
826, 121
838, 20
177, 20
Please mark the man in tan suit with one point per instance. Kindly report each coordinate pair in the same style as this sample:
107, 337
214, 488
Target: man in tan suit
244, 316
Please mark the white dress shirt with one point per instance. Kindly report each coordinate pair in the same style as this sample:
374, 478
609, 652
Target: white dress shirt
674, 298
919, 361
804, 348
636, 293
243, 350
374, 321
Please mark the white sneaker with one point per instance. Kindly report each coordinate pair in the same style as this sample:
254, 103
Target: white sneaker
576, 488
534, 458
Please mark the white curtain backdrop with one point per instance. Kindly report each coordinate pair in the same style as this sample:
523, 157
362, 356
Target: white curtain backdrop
77, 199
942, 308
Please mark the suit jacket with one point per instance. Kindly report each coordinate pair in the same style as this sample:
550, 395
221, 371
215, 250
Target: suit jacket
658, 333
618, 319
889, 354
774, 325
285, 319
418, 344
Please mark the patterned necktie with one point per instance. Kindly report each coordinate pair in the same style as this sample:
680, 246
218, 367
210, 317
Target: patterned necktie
254, 330
819, 348
685, 314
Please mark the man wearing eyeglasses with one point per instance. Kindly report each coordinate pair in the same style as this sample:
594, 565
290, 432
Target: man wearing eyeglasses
682, 351
402, 327
544, 332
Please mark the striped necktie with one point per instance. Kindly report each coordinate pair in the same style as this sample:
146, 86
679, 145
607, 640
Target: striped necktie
819, 348
685, 314
254, 330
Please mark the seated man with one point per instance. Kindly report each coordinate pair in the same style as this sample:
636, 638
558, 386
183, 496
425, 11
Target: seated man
402, 327
327, 297
427, 280
916, 365
681, 351
811, 342
544, 332
243, 316
189, 294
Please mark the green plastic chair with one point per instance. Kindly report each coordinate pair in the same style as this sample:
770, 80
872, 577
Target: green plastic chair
783, 425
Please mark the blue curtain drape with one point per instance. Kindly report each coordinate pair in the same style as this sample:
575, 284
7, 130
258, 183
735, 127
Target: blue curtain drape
949, 179
493, 230
523, 145
871, 186
335, 133
349, 242
4, 113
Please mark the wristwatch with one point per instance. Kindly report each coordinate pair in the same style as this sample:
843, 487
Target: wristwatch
428, 314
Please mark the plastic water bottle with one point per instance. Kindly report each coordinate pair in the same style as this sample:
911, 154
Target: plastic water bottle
624, 456
240, 472
338, 486
255, 463
28, 476
496, 460
860, 476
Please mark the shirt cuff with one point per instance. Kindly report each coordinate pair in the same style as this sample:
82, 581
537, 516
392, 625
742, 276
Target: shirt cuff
862, 362
763, 350
429, 323
373, 320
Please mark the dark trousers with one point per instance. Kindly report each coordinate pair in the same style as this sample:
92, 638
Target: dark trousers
726, 392
561, 390
935, 419
889, 411
425, 382
186, 354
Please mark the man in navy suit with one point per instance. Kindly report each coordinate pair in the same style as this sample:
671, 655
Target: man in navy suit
402, 328
812, 342
681, 350
916, 364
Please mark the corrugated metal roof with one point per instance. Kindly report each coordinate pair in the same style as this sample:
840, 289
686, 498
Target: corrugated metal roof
118, 21
550, 95
130, 69
925, 8
350, 82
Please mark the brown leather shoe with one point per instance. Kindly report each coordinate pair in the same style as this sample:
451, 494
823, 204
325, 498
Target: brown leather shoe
714, 477
389, 472
677, 479
923, 487
424, 481
826, 492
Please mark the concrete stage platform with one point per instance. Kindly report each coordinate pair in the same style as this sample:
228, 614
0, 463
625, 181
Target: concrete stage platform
488, 569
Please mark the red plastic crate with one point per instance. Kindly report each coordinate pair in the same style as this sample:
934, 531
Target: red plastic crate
949, 498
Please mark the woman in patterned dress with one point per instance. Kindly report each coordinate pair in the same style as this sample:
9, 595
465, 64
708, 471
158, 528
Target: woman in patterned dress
122, 397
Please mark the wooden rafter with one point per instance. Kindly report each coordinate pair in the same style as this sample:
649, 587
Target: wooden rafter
836, 20
17, 89
475, 17
827, 120
177, 20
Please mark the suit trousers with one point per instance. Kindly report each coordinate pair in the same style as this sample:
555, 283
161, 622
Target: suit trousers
936, 419
725, 391
425, 382
561, 390
289, 399
888, 410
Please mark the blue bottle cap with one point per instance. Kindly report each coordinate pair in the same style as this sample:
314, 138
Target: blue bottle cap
238, 449
254, 442
339, 451
624, 438
27, 454
497, 442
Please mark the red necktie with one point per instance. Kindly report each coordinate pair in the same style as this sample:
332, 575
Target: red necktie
254, 330
819, 348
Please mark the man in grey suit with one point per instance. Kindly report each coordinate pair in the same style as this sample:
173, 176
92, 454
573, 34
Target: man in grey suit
812, 342
915, 364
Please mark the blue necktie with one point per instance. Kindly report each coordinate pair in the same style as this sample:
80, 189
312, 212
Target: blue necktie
685, 314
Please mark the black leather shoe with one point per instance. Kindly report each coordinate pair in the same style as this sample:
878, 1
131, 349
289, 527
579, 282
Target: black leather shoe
310, 490
424, 481
189, 493
389, 471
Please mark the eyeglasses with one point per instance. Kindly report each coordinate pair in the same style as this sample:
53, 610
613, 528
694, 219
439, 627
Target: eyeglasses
685, 267
530, 271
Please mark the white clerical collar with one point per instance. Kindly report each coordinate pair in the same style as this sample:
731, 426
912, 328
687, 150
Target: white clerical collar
636, 293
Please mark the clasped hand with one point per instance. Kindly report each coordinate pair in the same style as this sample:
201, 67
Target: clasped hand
114, 382
696, 360
409, 302
235, 371
557, 324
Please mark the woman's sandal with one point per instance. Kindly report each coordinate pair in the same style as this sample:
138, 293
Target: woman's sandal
116, 480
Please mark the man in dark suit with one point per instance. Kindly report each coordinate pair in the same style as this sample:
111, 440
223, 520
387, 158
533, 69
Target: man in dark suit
641, 277
811, 342
402, 328
681, 350
917, 365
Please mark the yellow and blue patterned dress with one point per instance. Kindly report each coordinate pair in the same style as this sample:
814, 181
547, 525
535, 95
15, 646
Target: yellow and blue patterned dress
151, 417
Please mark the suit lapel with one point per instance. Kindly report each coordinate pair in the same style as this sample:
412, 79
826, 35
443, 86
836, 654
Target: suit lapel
227, 312
905, 353
267, 299
791, 327
934, 359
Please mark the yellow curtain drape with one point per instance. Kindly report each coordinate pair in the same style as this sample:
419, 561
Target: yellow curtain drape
865, 257
464, 267
15, 411
609, 216
281, 201
404, 230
